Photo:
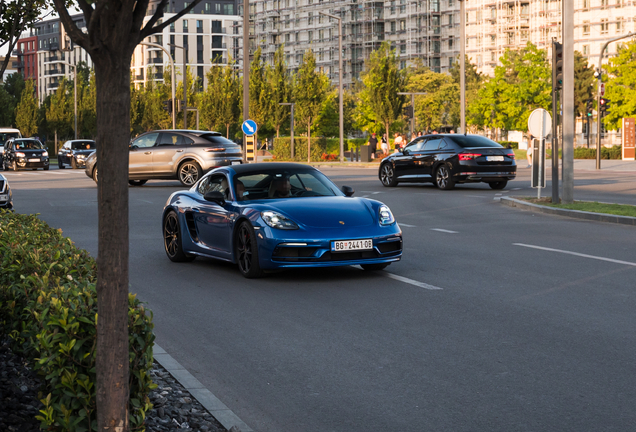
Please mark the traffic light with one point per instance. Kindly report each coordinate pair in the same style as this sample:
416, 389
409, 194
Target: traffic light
589, 107
557, 66
604, 104
408, 111
167, 106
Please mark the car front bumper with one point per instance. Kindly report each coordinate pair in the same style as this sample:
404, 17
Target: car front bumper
24, 163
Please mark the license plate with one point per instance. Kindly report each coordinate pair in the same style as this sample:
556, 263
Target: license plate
4, 197
34, 160
495, 158
349, 245
236, 162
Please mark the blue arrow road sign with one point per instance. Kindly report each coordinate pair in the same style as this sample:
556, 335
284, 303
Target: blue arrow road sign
249, 127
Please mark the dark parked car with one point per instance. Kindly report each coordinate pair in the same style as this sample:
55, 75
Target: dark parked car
184, 155
6, 198
24, 153
74, 153
448, 159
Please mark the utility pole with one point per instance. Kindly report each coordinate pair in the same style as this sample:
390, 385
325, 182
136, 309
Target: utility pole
246, 69
174, 99
412, 94
340, 79
185, 86
557, 84
567, 100
599, 75
462, 65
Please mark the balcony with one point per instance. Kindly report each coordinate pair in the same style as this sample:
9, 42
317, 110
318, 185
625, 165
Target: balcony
53, 72
157, 60
17, 65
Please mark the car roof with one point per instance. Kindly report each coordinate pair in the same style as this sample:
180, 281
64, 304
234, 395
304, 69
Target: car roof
190, 131
80, 140
269, 166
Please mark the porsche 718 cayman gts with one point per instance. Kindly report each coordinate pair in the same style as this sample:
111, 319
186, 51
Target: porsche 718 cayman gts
278, 215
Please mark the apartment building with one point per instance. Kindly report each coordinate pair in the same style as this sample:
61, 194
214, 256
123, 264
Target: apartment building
427, 29
26, 62
492, 26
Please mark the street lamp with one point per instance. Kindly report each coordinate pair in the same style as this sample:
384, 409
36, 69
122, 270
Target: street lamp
292, 128
462, 66
174, 107
185, 84
599, 75
74, 92
340, 82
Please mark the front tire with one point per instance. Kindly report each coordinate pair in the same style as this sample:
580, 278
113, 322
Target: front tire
498, 184
137, 182
374, 267
14, 166
189, 172
172, 239
387, 175
246, 251
95, 175
60, 164
443, 178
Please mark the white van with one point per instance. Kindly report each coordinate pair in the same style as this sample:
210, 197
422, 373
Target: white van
5, 134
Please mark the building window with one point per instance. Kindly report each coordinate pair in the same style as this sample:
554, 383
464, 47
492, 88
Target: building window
450, 20
200, 56
185, 25
450, 43
310, 36
586, 5
310, 18
403, 49
586, 28
402, 25
619, 25
603, 4
586, 50
228, 9
604, 26
208, 8
493, 56
392, 26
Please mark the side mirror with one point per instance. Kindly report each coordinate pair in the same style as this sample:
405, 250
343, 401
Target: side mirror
214, 196
348, 191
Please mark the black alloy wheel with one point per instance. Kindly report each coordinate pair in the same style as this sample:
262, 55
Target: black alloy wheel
246, 252
498, 184
443, 178
172, 240
189, 172
387, 175
137, 182
374, 267
73, 163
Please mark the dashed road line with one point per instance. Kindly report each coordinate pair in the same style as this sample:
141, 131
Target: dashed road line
406, 225
410, 281
576, 254
444, 230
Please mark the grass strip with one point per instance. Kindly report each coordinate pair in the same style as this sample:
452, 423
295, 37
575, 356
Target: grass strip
588, 206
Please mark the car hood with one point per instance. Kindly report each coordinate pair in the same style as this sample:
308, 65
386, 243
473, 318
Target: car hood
324, 212
31, 152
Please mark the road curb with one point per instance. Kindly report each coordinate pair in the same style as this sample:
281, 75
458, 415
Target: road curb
218, 409
577, 214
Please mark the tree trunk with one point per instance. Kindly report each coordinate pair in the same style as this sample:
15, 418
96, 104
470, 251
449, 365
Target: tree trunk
277, 131
386, 127
227, 127
112, 73
309, 141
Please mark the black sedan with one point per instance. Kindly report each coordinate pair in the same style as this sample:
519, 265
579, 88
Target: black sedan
22, 153
448, 159
74, 153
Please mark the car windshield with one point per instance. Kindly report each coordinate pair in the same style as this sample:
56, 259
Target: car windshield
28, 145
4, 136
287, 183
83, 145
468, 141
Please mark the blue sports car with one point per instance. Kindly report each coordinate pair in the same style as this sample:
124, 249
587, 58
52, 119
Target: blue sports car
278, 215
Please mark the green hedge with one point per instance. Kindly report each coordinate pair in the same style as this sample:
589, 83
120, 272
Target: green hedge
512, 144
614, 152
48, 307
282, 148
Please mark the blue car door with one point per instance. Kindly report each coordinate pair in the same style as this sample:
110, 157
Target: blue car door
212, 220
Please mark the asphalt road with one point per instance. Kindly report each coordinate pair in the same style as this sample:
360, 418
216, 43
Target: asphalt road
532, 327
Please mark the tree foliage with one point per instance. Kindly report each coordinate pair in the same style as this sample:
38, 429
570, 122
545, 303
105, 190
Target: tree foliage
281, 91
27, 111
220, 103
621, 85
583, 83
15, 17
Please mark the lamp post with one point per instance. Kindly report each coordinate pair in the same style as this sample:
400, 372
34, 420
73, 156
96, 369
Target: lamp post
185, 85
339, 82
292, 128
599, 75
412, 94
246, 69
462, 66
174, 106
74, 92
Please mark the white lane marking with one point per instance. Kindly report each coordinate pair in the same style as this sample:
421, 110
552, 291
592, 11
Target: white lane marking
406, 225
577, 254
410, 281
515, 189
444, 230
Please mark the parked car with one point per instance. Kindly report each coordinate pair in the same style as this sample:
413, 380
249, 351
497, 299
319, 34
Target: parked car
278, 215
74, 153
5, 134
24, 153
6, 198
184, 155
448, 159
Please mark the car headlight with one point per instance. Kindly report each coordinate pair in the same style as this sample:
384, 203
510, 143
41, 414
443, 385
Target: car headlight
80, 156
277, 220
45, 153
19, 154
386, 217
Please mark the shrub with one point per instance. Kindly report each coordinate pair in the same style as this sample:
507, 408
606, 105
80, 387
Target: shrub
512, 144
357, 142
329, 157
48, 307
282, 148
614, 152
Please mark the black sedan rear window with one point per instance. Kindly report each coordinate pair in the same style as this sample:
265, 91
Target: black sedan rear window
467, 141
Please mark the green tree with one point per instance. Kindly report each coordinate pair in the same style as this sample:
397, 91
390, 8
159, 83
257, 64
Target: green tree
14, 86
86, 93
192, 96
583, 83
310, 91
280, 91
621, 85
382, 80
59, 114
27, 111
260, 92
474, 81
221, 101
435, 108
15, 17
6, 110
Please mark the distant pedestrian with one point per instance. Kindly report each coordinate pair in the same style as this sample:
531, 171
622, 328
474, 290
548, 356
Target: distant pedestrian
529, 151
419, 134
373, 143
384, 145
397, 142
